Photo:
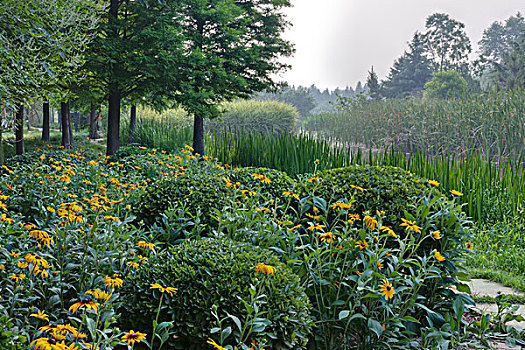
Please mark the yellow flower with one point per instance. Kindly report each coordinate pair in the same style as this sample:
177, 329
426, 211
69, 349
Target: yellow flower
341, 205
37, 260
436, 235
144, 244
112, 218
163, 289
214, 344
386, 289
17, 277
295, 227
353, 218
361, 245
388, 230
249, 192
14, 254
316, 227
47, 344
469, 245
133, 265
371, 222
113, 281
290, 194
261, 178
380, 266
312, 179
433, 183
456, 193
40, 315
327, 237
439, 257
22, 264
81, 304
410, 225
357, 188
133, 337
263, 268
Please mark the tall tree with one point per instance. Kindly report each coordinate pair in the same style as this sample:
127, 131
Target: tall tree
231, 50
137, 52
446, 43
374, 88
499, 38
409, 73
511, 69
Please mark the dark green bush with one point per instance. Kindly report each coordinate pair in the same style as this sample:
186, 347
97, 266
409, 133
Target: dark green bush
222, 273
389, 189
196, 192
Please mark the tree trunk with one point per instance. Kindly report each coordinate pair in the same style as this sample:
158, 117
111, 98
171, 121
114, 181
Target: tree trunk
19, 131
93, 122
2, 118
65, 116
113, 119
29, 119
132, 123
45, 121
198, 135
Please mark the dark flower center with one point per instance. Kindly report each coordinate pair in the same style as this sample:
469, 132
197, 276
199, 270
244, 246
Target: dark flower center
133, 335
165, 286
113, 277
388, 288
52, 341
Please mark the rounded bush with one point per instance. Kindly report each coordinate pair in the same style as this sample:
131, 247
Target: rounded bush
384, 188
195, 192
260, 116
219, 273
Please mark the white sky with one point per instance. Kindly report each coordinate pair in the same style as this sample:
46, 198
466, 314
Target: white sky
337, 41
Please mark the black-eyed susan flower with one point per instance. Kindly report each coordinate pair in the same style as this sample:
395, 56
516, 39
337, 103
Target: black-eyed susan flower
113, 281
294, 227
89, 305
40, 315
261, 178
163, 289
439, 257
47, 344
318, 227
263, 268
361, 245
249, 192
433, 183
147, 245
17, 277
370, 222
456, 193
133, 265
52, 327
341, 205
386, 289
353, 218
388, 230
133, 337
327, 237
112, 218
380, 265
410, 225
14, 254
214, 344
37, 261
22, 264
469, 245
37, 271
436, 234
291, 194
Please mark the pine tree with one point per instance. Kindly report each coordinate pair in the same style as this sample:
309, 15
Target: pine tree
374, 89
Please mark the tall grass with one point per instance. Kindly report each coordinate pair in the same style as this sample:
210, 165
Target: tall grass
493, 123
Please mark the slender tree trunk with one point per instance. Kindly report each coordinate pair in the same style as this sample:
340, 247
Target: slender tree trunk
45, 121
65, 117
2, 118
132, 123
19, 131
198, 135
93, 122
113, 119
29, 118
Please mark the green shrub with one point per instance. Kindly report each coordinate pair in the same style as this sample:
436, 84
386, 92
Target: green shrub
222, 273
389, 189
261, 116
199, 193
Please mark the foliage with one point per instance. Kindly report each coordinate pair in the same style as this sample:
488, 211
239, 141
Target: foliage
511, 69
446, 43
374, 89
260, 116
273, 184
270, 309
409, 73
446, 84
498, 39
301, 98
374, 189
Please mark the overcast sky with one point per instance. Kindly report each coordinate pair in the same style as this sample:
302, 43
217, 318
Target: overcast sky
337, 41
